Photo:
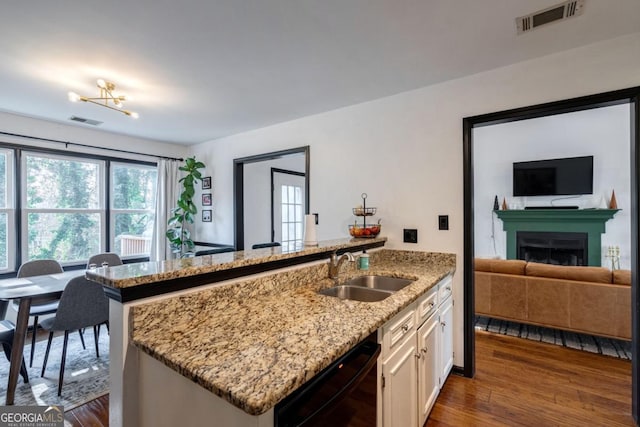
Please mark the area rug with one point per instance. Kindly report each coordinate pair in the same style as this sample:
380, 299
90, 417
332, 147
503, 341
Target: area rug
590, 343
85, 378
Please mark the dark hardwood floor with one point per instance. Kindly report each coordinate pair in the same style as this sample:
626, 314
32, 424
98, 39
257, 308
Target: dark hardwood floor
518, 383
524, 383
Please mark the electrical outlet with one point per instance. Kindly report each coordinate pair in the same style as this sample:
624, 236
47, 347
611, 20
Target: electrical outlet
410, 235
443, 222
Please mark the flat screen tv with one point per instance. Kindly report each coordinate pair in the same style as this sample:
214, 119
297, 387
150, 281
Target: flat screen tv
554, 177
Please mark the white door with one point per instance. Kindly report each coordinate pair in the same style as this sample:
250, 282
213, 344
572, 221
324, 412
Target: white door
428, 367
288, 209
446, 339
399, 388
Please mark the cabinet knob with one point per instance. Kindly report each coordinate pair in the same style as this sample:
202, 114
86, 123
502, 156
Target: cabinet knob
417, 355
424, 350
448, 288
405, 328
443, 324
431, 304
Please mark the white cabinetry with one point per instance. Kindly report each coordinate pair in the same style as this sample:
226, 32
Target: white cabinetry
416, 357
428, 368
445, 342
399, 397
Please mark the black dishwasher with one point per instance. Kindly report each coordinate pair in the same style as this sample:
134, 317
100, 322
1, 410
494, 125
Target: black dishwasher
342, 395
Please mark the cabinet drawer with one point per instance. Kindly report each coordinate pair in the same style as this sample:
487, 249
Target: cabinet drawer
444, 289
397, 329
426, 305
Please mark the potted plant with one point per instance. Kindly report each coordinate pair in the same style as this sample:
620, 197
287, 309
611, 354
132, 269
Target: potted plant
184, 213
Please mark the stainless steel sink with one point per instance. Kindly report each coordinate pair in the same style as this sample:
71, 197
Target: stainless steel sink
367, 288
384, 283
356, 293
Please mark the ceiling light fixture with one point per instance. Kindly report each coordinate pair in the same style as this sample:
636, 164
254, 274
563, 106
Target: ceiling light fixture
106, 98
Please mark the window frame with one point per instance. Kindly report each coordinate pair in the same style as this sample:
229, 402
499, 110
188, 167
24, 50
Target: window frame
10, 209
25, 210
15, 246
115, 211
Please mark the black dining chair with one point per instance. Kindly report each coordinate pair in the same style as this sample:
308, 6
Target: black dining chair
7, 330
38, 267
83, 303
109, 258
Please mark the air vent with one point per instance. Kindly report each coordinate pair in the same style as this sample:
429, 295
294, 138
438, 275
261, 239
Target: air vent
559, 12
85, 121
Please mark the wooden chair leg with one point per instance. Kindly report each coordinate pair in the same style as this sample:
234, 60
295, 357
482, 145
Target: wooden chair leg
46, 353
33, 340
96, 335
62, 362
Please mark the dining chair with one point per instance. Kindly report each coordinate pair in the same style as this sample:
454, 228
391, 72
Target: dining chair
107, 257
7, 330
83, 303
38, 267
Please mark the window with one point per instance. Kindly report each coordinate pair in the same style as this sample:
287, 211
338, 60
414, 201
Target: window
133, 198
63, 215
291, 217
7, 212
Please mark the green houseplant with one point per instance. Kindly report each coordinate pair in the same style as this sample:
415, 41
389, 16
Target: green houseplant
184, 213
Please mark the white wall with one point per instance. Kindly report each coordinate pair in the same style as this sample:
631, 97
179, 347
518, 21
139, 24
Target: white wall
13, 123
602, 133
257, 196
405, 151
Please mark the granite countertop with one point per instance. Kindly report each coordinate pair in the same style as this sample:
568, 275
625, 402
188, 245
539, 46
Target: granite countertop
142, 273
254, 342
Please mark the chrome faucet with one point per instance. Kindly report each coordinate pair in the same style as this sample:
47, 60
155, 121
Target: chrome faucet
335, 263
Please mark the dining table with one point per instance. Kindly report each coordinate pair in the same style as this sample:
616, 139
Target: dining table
25, 291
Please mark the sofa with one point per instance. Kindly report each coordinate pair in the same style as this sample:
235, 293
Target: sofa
589, 300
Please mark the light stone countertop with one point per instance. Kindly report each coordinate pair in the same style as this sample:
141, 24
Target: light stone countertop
254, 342
142, 273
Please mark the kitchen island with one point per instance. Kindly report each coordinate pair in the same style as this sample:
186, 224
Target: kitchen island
135, 284
227, 354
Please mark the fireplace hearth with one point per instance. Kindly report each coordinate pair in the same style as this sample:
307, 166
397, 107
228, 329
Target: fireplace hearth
558, 248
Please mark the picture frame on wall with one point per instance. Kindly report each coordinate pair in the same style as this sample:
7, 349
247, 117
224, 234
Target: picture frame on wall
207, 199
206, 215
206, 183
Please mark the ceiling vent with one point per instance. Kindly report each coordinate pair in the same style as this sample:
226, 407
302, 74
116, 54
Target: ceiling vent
85, 121
559, 12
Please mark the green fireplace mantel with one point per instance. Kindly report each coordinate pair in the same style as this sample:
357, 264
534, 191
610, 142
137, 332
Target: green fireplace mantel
590, 221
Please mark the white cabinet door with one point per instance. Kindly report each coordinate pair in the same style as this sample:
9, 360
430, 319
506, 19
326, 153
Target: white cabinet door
446, 339
428, 368
399, 392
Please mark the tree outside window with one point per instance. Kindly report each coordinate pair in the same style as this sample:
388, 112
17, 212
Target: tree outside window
132, 208
63, 210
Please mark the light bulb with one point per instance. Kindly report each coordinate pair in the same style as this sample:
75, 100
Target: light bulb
134, 115
101, 83
73, 97
117, 103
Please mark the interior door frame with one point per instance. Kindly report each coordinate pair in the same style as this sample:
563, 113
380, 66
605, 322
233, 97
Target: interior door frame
238, 186
617, 97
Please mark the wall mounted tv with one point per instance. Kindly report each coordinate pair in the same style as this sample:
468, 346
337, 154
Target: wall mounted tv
554, 177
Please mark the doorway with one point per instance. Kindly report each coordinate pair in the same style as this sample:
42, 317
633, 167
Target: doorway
253, 212
287, 208
629, 96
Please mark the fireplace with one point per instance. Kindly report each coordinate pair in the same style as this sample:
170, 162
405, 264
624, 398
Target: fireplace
559, 248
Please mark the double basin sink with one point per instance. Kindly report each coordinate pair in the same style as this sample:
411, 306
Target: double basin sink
367, 288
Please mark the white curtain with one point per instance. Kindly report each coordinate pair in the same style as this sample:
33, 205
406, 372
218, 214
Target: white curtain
168, 191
